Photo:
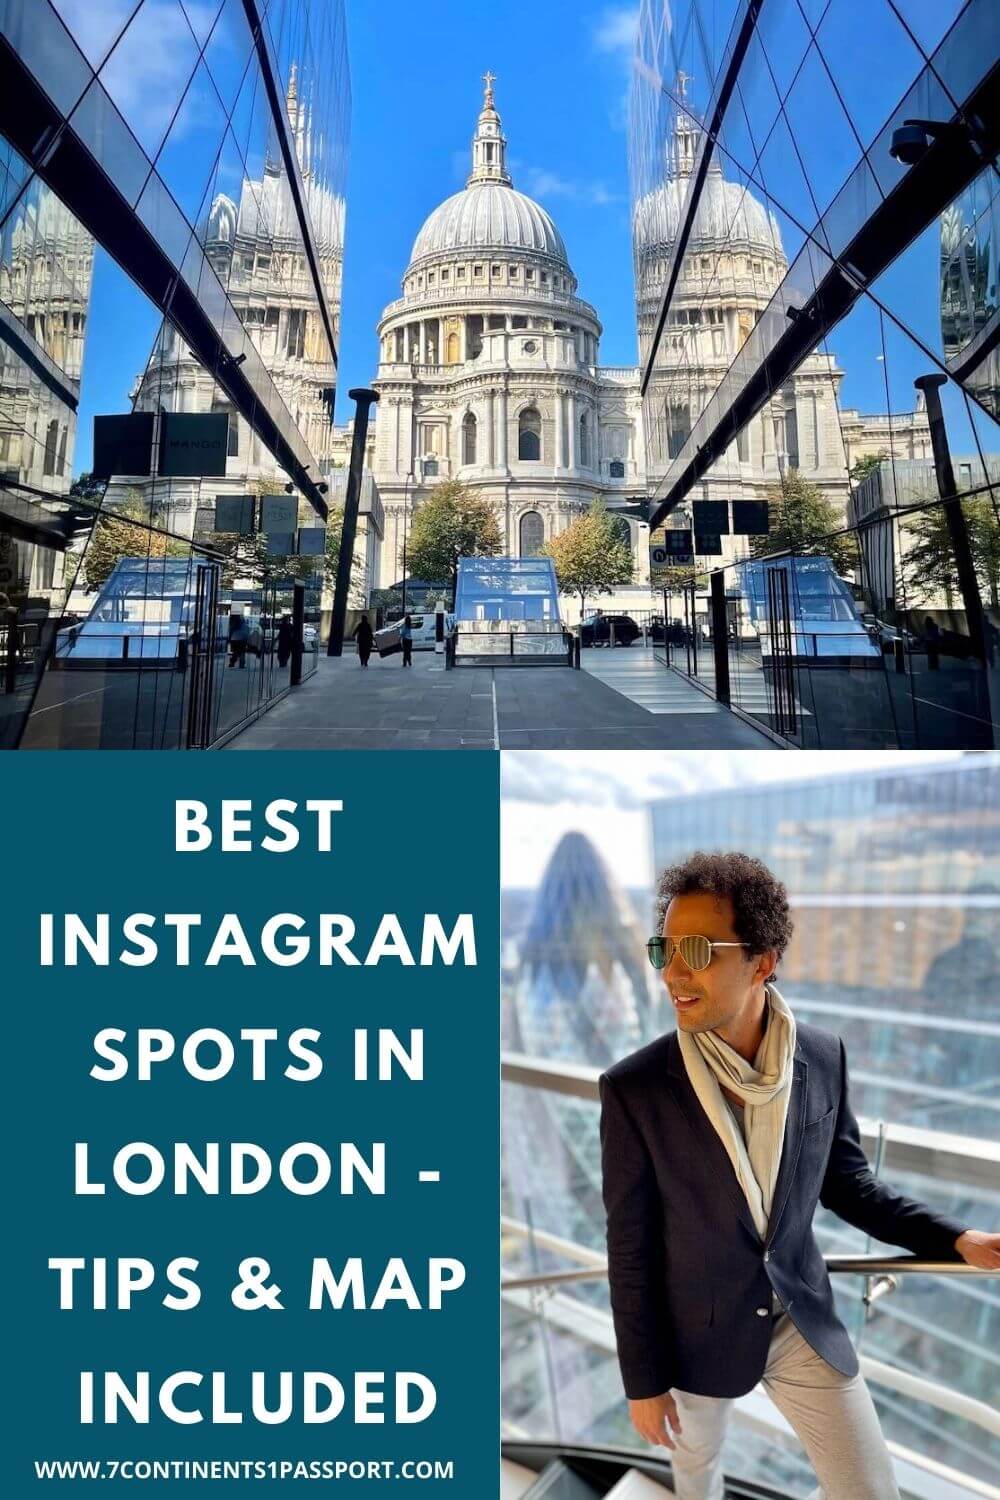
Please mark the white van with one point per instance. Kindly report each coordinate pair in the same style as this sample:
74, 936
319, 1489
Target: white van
424, 629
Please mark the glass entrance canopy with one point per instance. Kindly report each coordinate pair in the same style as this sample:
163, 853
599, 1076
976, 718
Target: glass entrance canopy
507, 588
507, 607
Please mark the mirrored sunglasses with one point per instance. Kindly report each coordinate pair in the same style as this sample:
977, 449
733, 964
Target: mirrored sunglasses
695, 951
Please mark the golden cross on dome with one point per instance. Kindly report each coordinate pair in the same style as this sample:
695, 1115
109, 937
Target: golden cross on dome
489, 79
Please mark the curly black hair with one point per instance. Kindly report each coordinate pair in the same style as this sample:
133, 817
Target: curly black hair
761, 917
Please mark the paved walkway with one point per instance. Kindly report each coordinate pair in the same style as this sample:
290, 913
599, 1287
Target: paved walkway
481, 708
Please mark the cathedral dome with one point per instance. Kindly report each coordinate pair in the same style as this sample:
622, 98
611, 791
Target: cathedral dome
489, 214
726, 214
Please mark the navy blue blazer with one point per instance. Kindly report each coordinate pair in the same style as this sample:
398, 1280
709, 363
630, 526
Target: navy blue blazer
690, 1277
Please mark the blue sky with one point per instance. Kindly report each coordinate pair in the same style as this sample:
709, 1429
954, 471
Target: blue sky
562, 72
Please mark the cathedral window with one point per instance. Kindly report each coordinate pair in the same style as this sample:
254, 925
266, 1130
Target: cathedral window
469, 439
51, 446
529, 274
496, 270
529, 435
445, 275
616, 468
585, 441
430, 278
514, 273
678, 424
460, 272
518, 322
532, 534
295, 334
477, 270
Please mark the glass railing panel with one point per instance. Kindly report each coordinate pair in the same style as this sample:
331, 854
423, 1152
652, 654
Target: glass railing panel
928, 1347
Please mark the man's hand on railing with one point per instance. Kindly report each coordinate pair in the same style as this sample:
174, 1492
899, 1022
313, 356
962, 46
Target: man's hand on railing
979, 1249
652, 1417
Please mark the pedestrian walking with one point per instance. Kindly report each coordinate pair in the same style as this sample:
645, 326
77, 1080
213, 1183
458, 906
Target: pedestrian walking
285, 638
406, 640
239, 637
365, 637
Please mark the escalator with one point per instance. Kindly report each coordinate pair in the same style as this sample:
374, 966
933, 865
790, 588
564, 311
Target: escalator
554, 1471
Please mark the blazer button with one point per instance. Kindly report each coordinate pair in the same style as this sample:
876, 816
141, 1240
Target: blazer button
763, 1312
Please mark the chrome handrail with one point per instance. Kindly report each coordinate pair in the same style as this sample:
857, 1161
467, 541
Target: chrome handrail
966, 1161
837, 1265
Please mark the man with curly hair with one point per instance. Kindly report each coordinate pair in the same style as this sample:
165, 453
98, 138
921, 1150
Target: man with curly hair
718, 1140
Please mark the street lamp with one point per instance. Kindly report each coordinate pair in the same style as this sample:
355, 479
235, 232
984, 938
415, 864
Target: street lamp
406, 513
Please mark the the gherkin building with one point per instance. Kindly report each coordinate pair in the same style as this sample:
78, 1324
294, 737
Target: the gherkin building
582, 992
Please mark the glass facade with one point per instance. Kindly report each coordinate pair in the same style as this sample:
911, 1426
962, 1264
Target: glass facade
795, 277
894, 882
507, 607
192, 231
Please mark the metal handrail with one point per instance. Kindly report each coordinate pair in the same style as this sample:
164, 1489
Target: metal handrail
837, 1265
881, 1271
939, 1155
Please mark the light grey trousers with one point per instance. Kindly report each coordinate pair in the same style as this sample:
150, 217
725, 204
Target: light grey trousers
832, 1415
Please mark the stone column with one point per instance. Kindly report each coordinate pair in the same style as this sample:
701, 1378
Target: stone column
502, 429
423, 342
571, 431
490, 431
464, 340
406, 343
561, 429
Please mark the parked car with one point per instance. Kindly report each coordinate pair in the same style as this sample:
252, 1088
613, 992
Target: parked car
595, 630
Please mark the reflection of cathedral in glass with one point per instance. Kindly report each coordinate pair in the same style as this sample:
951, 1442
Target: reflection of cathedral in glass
255, 248
734, 264
970, 289
582, 991
46, 264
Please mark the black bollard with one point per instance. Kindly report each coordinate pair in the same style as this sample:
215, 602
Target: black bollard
363, 397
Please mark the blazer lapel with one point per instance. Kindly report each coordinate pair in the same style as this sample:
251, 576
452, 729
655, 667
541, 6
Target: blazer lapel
792, 1143
710, 1149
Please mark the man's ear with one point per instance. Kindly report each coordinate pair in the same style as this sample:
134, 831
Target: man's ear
766, 965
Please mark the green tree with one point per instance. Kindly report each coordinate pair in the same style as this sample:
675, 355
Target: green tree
802, 520
454, 521
590, 555
929, 562
675, 579
331, 559
865, 465
126, 531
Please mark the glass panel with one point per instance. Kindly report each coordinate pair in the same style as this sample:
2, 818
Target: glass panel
149, 69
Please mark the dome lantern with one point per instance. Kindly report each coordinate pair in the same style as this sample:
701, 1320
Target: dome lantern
489, 145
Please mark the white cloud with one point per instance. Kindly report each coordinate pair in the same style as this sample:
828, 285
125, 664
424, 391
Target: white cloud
541, 182
615, 34
616, 28
152, 59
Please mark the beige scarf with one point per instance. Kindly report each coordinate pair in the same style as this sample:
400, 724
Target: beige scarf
763, 1086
